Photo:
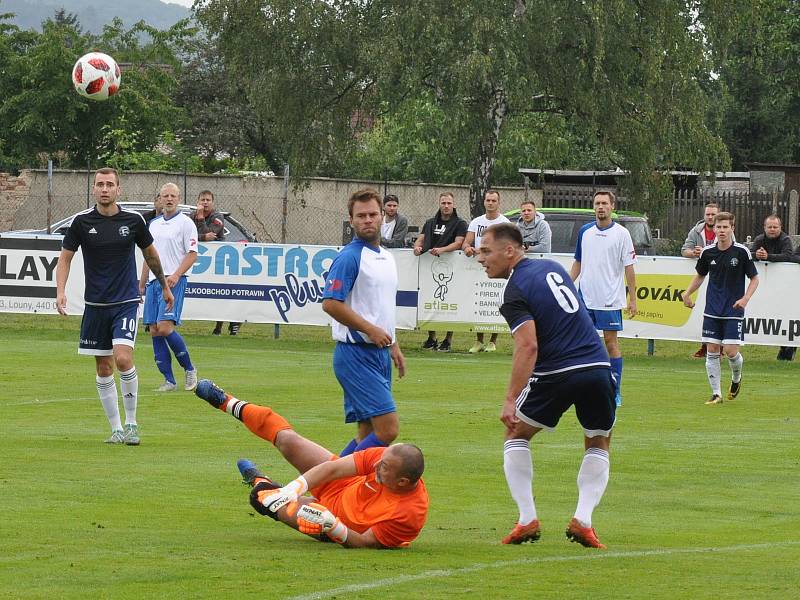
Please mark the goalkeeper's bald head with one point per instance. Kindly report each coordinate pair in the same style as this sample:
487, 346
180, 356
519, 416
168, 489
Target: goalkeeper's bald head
413, 463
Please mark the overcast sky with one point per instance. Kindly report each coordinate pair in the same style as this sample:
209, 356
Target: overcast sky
187, 3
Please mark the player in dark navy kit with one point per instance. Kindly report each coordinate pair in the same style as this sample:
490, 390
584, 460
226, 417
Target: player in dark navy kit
108, 235
728, 263
559, 361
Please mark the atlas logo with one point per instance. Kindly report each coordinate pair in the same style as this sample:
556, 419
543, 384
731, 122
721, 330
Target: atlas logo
442, 273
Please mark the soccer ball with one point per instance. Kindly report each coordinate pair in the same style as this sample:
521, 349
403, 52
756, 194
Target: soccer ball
96, 76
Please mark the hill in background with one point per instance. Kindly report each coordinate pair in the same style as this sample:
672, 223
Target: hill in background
94, 14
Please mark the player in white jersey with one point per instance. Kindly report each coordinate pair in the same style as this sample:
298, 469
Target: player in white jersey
604, 259
360, 294
175, 238
472, 244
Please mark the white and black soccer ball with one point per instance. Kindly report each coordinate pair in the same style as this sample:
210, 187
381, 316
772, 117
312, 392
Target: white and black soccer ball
96, 76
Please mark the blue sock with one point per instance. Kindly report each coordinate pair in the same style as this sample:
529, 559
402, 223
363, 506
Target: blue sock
180, 350
163, 357
348, 450
616, 369
371, 441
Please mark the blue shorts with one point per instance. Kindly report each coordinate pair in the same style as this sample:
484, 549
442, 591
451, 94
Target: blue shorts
365, 373
155, 309
722, 331
104, 327
606, 320
592, 391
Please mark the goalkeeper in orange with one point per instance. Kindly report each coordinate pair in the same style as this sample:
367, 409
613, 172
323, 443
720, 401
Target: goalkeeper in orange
373, 498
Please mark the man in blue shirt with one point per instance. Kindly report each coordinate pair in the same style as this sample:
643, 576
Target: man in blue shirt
360, 294
728, 263
108, 235
559, 361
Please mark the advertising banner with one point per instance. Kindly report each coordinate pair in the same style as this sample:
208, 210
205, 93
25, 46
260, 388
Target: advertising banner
269, 283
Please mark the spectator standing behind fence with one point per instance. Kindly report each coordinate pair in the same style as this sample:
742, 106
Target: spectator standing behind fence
535, 230
774, 245
158, 208
492, 216
394, 226
700, 236
211, 228
445, 232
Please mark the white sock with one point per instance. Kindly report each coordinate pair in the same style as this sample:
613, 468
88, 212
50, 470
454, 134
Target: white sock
592, 482
518, 468
129, 382
714, 373
107, 390
736, 367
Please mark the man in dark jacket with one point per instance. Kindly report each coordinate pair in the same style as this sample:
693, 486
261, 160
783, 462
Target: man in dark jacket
774, 245
394, 226
443, 233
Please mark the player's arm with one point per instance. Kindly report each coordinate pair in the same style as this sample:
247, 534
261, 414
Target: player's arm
526, 350
751, 289
185, 265
62, 273
694, 285
467, 245
575, 271
143, 278
362, 540
154, 263
630, 280
350, 318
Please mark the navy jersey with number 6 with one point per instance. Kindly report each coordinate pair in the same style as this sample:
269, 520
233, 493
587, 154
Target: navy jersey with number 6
542, 291
727, 269
109, 260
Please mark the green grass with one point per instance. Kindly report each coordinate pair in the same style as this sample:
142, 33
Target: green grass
702, 500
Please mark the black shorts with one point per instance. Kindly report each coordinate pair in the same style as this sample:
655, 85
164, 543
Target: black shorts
592, 391
104, 327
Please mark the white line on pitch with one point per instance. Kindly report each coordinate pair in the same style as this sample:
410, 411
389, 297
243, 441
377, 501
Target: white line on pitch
438, 573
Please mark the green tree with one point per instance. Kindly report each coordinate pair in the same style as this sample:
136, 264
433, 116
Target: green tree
758, 113
625, 76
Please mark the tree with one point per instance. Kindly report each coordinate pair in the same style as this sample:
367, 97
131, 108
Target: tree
626, 75
758, 86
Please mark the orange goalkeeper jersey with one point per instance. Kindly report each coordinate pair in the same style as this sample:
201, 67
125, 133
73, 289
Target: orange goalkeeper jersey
362, 503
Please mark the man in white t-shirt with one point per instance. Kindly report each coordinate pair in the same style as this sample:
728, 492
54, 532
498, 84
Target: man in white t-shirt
491, 202
175, 238
604, 259
394, 226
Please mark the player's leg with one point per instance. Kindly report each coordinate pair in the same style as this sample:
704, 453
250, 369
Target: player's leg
596, 413
610, 322
124, 340
365, 373
161, 355
266, 424
96, 340
733, 338
539, 406
167, 322
712, 336
518, 471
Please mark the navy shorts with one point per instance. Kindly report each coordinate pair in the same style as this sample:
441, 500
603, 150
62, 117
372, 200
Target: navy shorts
722, 331
592, 391
155, 309
104, 327
365, 373
606, 320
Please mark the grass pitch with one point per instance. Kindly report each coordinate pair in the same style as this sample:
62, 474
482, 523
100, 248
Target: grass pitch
702, 501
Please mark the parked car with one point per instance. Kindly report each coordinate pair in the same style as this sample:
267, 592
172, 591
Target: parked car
565, 223
234, 231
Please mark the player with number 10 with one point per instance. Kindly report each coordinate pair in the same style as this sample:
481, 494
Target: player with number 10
559, 361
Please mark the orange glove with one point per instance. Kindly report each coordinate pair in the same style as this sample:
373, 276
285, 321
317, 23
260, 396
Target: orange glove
315, 519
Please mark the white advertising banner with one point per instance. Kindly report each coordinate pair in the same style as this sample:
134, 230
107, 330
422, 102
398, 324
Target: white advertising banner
268, 283
258, 283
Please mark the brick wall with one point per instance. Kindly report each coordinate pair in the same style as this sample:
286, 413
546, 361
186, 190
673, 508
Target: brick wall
14, 192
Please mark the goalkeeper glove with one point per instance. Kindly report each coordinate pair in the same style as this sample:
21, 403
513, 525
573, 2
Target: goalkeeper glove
314, 519
273, 500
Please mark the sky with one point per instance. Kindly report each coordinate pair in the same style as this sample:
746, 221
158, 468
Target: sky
187, 3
